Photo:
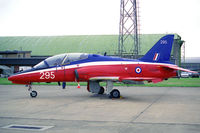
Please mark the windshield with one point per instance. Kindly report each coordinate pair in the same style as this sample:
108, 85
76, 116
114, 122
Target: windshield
60, 59
51, 61
41, 65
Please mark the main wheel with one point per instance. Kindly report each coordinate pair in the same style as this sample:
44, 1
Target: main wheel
115, 93
33, 94
101, 91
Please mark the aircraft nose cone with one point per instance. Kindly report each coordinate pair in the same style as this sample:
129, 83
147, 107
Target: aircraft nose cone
11, 78
18, 76
17, 79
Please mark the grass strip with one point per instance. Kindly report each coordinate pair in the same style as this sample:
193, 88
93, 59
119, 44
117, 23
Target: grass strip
173, 82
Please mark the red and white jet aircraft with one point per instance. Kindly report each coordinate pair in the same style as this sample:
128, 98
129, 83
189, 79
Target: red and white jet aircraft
154, 67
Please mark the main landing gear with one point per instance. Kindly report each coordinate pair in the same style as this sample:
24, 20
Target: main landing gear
114, 93
94, 87
33, 93
101, 91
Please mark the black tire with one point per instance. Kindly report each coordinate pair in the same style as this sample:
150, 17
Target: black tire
115, 93
33, 94
101, 91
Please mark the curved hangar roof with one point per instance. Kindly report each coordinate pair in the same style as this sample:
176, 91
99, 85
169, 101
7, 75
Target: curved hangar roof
52, 45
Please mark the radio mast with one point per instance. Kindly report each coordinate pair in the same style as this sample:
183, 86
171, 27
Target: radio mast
128, 43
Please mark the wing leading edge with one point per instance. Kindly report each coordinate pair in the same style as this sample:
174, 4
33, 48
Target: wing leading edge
125, 79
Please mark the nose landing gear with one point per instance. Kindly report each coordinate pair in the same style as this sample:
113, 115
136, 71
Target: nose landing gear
33, 93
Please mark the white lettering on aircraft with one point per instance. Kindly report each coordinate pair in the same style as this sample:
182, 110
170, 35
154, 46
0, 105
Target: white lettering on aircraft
47, 75
163, 41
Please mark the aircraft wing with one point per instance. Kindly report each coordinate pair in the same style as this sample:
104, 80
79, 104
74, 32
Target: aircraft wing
125, 79
150, 79
105, 78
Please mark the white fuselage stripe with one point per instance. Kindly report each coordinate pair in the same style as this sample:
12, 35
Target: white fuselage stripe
97, 63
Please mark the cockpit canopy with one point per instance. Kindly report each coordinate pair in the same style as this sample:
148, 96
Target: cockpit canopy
61, 59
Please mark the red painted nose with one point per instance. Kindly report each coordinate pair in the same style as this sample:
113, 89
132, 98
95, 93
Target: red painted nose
11, 78
17, 79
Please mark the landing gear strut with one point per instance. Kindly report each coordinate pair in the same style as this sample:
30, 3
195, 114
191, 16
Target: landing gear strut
33, 93
101, 91
94, 87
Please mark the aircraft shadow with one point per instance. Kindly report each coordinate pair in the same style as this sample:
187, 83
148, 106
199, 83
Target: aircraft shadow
122, 98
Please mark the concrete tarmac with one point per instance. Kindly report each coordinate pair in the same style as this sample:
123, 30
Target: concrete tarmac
141, 110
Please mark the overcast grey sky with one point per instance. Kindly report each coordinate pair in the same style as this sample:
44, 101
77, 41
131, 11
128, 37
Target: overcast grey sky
87, 17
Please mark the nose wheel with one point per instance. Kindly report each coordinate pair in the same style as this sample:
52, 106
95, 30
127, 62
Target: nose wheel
33, 93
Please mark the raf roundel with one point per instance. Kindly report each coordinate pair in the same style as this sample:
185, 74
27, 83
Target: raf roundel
138, 70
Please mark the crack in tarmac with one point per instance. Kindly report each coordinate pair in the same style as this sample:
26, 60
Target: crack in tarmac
154, 101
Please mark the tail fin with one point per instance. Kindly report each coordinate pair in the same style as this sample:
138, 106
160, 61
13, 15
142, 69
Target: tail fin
161, 51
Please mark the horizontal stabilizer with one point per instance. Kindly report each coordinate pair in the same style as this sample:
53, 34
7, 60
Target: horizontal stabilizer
178, 68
